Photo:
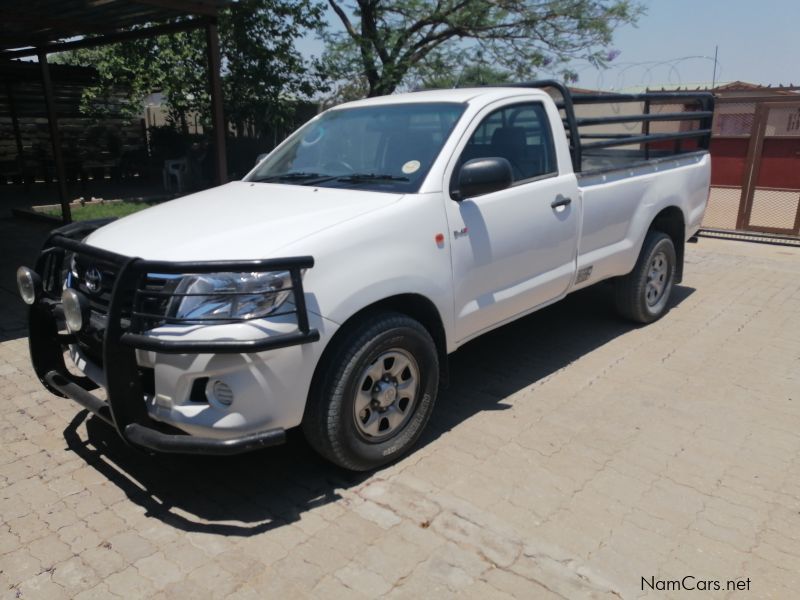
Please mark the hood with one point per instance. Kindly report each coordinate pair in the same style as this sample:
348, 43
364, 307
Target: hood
237, 221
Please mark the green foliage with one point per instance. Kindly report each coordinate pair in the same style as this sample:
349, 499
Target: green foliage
263, 75
389, 43
438, 76
103, 210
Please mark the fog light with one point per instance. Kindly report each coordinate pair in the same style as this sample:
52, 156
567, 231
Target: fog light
220, 391
29, 285
76, 309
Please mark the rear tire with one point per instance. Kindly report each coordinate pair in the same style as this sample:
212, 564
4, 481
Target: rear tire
375, 392
643, 294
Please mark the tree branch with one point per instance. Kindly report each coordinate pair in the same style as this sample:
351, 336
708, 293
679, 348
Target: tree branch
369, 29
370, 70
435, 18
344, 19
392, 37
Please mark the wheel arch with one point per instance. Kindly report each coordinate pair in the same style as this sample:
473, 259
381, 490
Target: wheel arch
671, 221
413, 305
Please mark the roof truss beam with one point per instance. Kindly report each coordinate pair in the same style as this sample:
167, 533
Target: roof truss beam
41, 22
192, 6
111, 38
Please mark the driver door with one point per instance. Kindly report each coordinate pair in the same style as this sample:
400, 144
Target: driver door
512, 249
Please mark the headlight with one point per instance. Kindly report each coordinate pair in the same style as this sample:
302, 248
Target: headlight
221, 296
76, 309
29, 285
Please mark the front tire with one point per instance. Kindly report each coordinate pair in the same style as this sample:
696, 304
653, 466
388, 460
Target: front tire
375, 392
643, 294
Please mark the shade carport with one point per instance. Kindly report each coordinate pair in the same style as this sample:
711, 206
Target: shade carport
36, 28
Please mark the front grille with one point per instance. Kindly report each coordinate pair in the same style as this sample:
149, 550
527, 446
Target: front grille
90, 343
155, 304
94, 279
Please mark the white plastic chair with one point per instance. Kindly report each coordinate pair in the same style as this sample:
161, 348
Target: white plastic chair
175, 174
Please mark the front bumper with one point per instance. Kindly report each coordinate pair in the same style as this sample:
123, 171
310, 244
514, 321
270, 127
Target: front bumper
158, 441
125, 407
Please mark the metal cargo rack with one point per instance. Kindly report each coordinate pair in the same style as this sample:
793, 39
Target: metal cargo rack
702, 113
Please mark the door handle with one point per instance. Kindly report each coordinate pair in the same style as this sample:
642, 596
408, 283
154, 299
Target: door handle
560, 201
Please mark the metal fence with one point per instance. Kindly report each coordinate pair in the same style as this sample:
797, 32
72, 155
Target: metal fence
755, 180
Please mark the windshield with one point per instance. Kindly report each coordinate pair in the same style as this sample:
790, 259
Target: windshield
383, 148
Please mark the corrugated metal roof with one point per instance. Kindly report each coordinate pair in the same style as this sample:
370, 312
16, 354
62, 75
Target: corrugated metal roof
719, 87
31, 23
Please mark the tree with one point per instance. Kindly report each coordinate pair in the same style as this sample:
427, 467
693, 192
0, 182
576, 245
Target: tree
386, 43
437, 76
263, 74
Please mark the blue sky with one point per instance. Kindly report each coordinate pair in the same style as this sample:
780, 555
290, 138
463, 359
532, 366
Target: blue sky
759, 42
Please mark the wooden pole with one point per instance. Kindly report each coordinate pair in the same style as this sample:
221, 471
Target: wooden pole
752, 165
52, 120
12, 105
217, 116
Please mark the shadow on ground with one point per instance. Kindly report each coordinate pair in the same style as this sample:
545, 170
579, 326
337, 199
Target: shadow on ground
253, 493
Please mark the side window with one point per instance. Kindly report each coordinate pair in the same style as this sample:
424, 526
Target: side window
519, 133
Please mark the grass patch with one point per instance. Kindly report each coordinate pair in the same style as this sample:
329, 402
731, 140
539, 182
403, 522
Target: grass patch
101, 211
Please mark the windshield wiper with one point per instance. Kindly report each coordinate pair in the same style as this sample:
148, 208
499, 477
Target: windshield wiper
315, 178
291, 176
366, 177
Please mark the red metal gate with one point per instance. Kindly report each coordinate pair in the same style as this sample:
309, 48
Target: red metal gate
755, 174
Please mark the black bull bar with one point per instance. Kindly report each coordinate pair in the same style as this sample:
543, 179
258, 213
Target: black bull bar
126, 324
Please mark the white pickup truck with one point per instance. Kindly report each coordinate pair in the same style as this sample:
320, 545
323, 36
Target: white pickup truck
327, 288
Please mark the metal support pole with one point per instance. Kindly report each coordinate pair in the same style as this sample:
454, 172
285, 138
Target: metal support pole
646, 129
52, 120
217, 116
714, 75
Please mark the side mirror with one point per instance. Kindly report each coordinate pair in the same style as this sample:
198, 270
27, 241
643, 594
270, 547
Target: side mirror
483, 175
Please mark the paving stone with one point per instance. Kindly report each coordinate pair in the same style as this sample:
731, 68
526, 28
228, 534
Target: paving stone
383, 517
74, 575
103, 560
98, 592
42, 586
333, 588
515, 586
50, 550
19, 565
363, 581
129, 583
131, 546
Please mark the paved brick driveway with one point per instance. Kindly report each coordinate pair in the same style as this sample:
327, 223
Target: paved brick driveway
572, 456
